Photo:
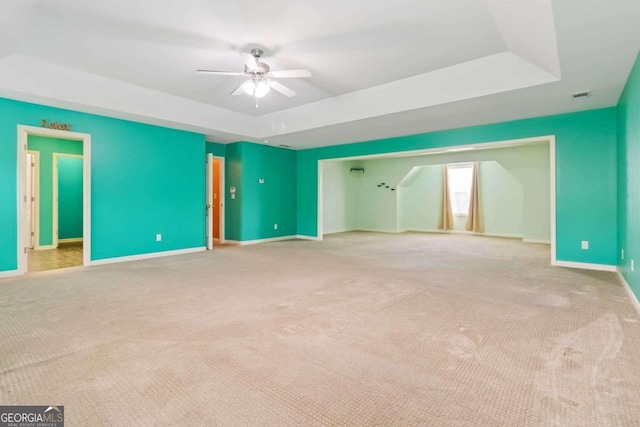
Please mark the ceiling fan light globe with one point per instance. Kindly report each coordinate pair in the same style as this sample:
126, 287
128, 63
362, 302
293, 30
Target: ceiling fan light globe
248, 87
262, 88
258, 89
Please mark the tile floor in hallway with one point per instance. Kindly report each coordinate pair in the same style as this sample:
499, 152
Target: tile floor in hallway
66, 255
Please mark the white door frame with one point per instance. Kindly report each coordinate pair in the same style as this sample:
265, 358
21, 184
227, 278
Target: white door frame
23, 134
35, 210
209, 190
551, 139
54, 212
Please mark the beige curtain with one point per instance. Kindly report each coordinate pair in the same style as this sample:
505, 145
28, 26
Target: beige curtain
474, 218
445, 221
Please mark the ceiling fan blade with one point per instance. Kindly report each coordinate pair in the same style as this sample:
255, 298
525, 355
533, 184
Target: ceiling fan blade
282, 89
221, 73
283, 74
250, 61
239, 90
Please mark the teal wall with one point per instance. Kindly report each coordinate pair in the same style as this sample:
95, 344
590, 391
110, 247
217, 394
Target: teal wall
145, 180
585, 174
233, 178
216, 149
70, 197
257, 207
46, 147
629, 179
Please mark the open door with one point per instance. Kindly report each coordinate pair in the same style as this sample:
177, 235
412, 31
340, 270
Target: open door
209, 202
215, 194
29, 201
215, 200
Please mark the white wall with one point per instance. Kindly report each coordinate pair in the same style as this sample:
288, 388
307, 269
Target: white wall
419, 199
336, 183
514, 192
375, 208
501, 198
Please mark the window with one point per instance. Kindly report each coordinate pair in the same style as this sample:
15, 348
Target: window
460, 176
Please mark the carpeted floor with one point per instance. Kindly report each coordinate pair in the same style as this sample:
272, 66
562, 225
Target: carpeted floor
361, 329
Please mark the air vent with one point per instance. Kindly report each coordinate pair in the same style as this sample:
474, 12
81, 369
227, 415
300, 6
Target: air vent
584, 94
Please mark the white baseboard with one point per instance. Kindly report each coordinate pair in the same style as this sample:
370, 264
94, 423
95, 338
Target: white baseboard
373, 230
585, 266
339, 231
70, 240
632, 296
470, 233
303, 237
9, 273
44, 248
146, 256
537, 241
255, 242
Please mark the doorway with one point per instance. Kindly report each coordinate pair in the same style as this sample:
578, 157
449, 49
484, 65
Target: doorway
53, 199
215, 200
32, 168
325, 165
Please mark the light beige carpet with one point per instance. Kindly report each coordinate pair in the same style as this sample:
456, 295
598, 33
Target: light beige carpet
361, 329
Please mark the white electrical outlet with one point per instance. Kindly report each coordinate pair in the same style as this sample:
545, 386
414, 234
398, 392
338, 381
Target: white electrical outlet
275, 226
261, 180
585, 244
621, 253
158, 237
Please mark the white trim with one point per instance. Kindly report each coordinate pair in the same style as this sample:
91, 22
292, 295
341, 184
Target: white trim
632, 296
70, 240
585, 266
346, 230
303, 237
22, 138
375, 230
320, 213
257, 241
10, 273
54, 197
223, 194
537, 241
479, 146
146, 256
552, 196
46, 247
207, 200
469, 233
36, 198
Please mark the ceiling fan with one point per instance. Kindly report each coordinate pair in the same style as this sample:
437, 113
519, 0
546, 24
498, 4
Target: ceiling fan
260, 77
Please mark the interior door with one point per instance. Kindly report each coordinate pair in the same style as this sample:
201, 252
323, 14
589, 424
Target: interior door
209, 201
29, 202
215, 196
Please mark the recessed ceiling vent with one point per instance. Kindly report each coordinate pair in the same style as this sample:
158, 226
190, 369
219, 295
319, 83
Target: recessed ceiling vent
583, 94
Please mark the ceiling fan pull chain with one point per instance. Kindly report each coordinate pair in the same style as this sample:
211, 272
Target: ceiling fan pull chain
255, 88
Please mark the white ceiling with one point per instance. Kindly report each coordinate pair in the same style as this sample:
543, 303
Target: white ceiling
380, 68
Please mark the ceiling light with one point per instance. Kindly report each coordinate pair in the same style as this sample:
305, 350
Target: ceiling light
460, 149
257, 89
